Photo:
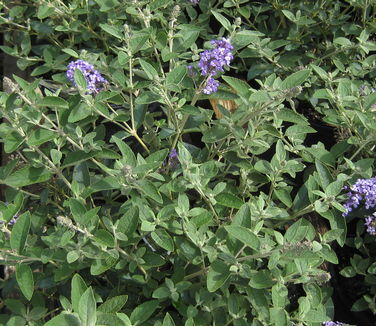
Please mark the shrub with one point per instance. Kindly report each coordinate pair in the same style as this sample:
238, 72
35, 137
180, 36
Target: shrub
184, 163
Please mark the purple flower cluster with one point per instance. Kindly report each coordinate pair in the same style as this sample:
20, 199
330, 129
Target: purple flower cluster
363, 191
195, 2
371, 224
94, 79
332, 323
212, 61
12, 221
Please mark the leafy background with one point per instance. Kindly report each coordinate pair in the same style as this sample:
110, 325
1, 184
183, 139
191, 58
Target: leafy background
246, 228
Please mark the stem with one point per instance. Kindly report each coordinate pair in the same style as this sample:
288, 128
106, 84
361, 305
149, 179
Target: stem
131, 89
185, 119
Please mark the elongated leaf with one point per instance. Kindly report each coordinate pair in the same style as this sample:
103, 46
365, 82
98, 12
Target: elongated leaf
291, 116
229, 200
80, 79
26, 176
217, 275
19, 232
163, 239
296, 79
64, 319
104, 238
222, 20
126, 151
148, 69
54, 102
12, 141
143, 312
99, 266
107, 319
73, 158
25, 280
150, 190
87, 308
324, 174
168, 321
244, 235
114, 304
41, 136
78, 288
112, 30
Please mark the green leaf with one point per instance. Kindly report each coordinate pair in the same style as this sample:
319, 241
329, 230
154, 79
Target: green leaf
148, 69
87, 308
72, 256
244, 235
218, 274
328, 254
114, 304
291, 116
296, 79
289, 15
26, 176
168, 321
41, 136
284, 196
80, 79
12, 141
348, 271
78, 287
143, 312
99, 266
334, 188
64, 319
297, 231
278, 316
324, 174
175, 77
150, 190
104, 238
79, 112
261, 279
25, 280
239, 86
126, 151
342, 41
214, 134
19, 232
222, 20
138, 40
229, 200
148, 97
71, 52
163, 239
77, 208
54, 102
74, 158
112, 30
109, 319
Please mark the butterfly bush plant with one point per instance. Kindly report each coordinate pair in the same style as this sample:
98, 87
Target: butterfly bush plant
188, 163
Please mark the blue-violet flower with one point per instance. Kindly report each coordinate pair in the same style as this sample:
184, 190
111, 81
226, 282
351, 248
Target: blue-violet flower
212, 61
371, 224
332, 323
363, 191
94, 79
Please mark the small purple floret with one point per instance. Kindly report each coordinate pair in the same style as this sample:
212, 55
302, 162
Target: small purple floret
332, 323
362, 192
94, 79
371, 224
213, 61
195, 2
